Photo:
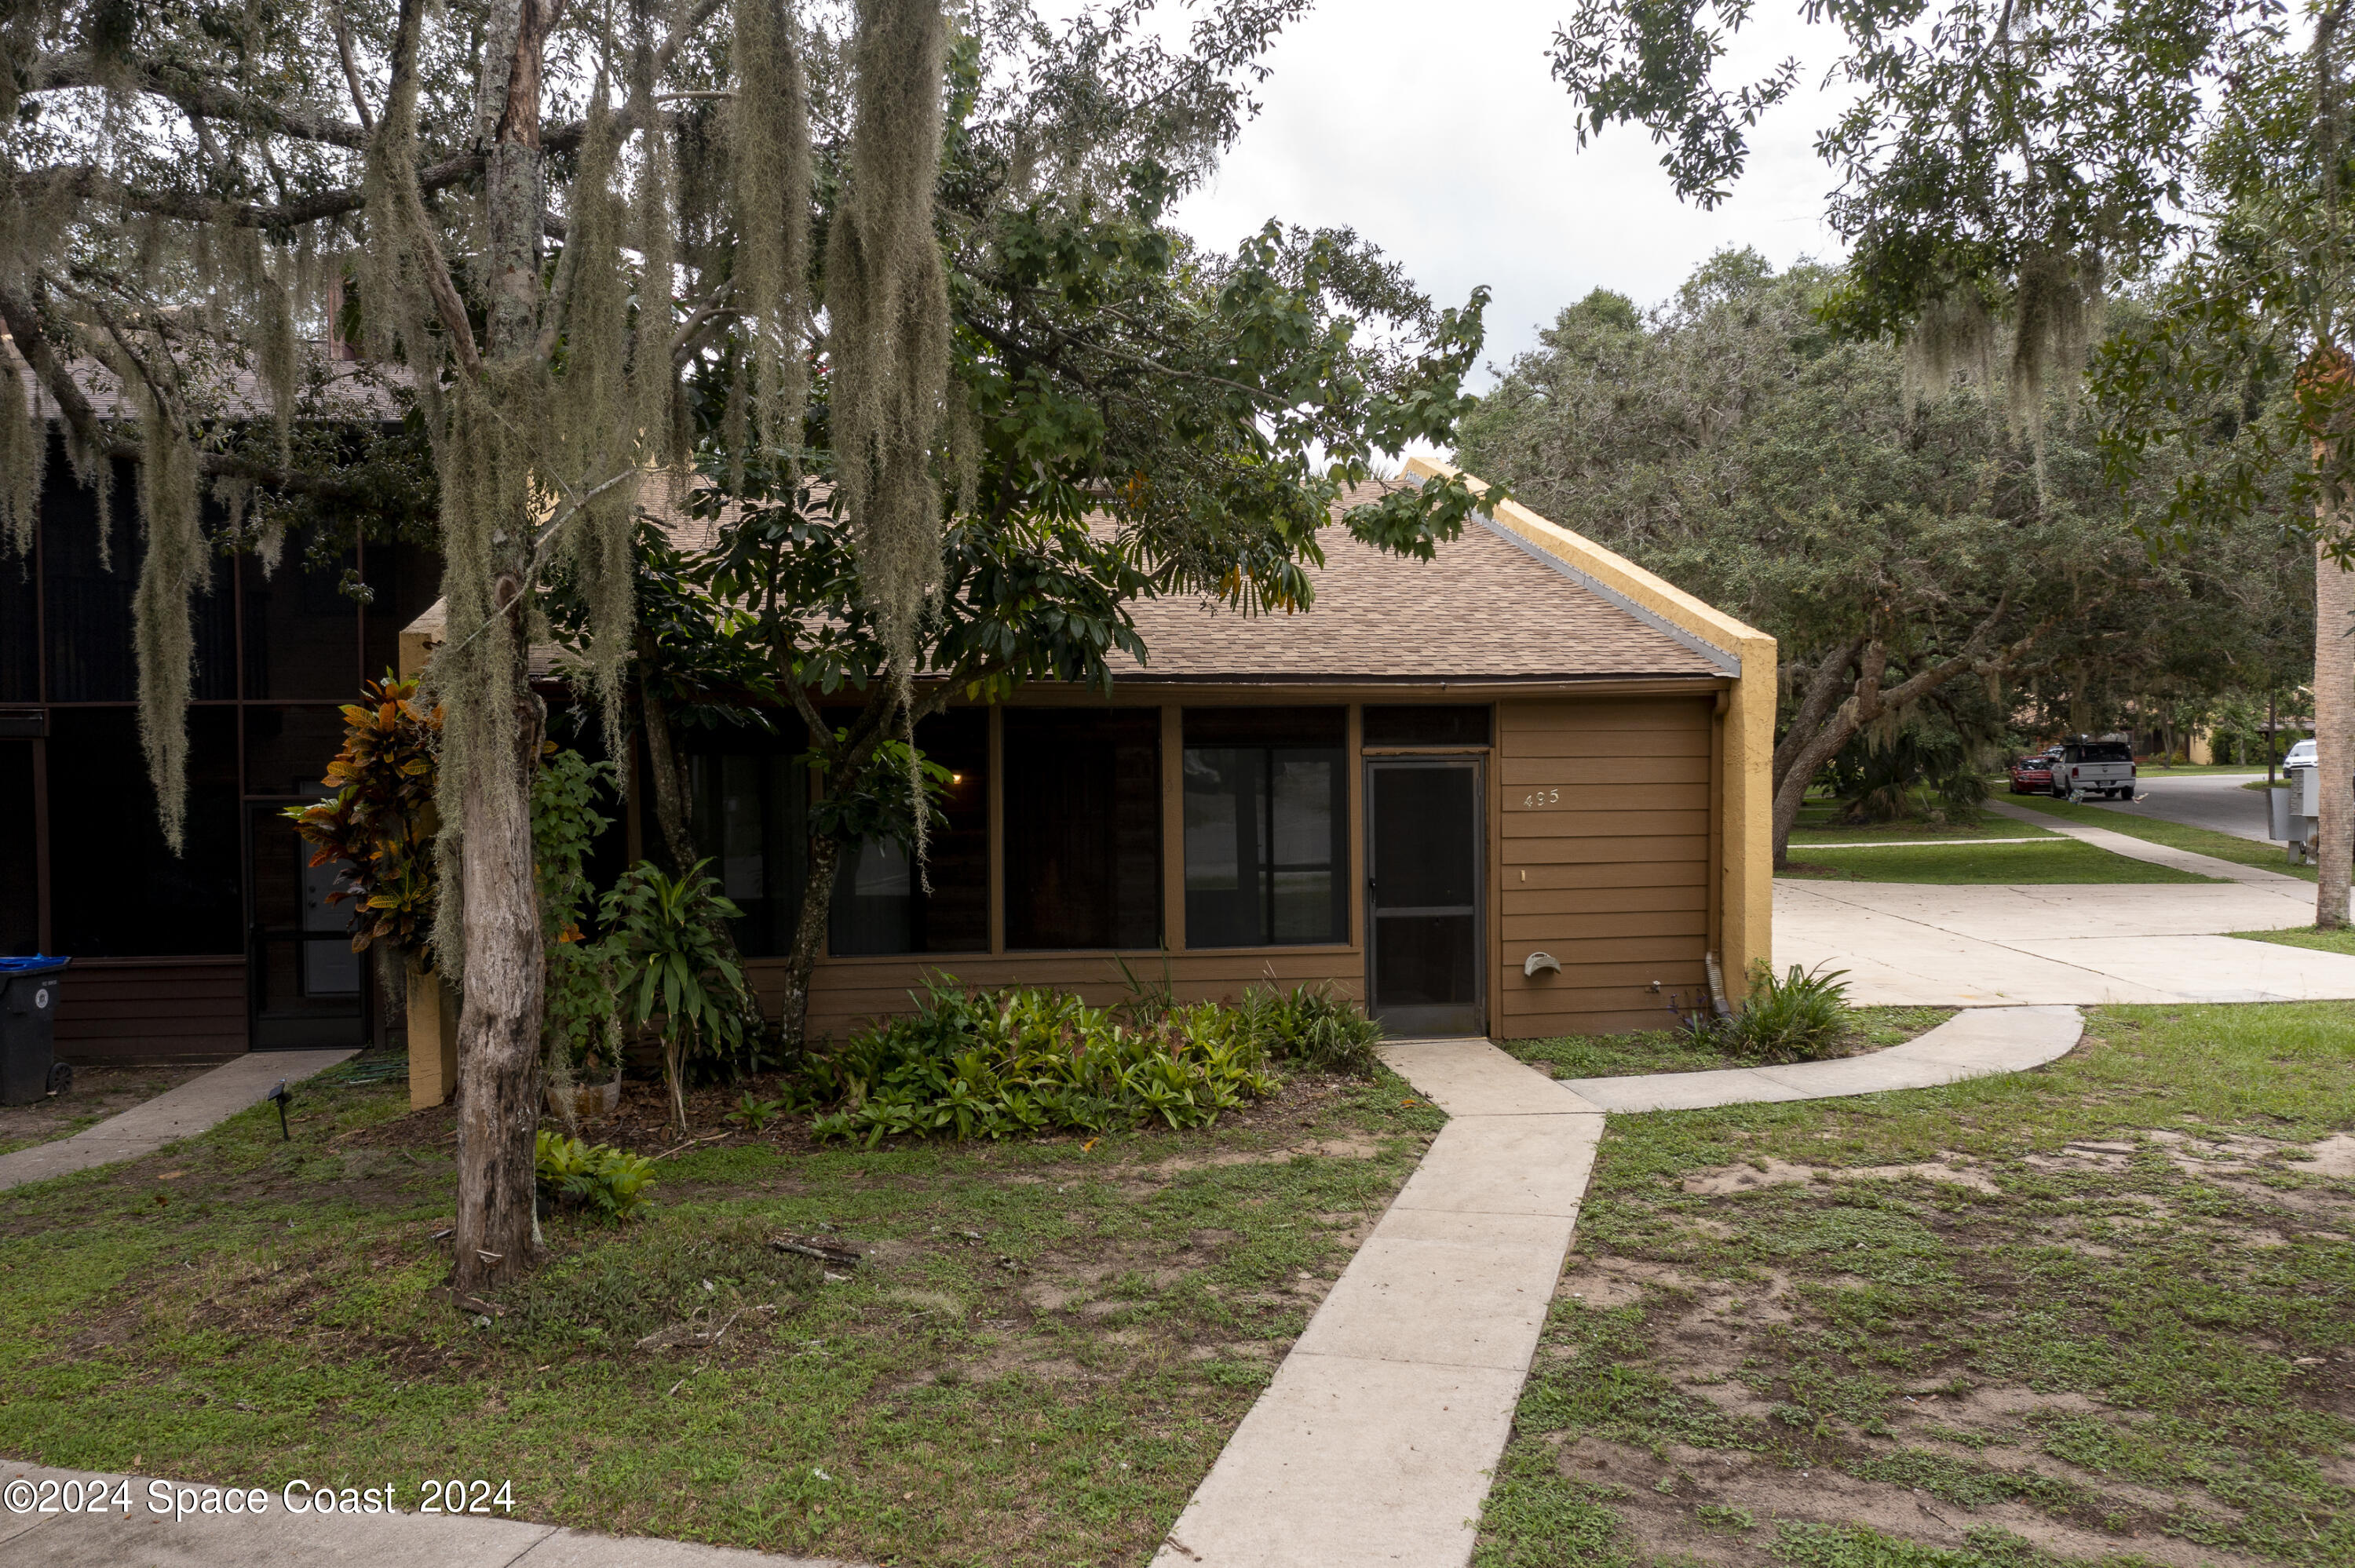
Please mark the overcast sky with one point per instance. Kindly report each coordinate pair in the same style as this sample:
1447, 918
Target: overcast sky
1436, 132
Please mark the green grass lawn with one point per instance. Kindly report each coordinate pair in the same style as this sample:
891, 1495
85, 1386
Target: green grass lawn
1818, 824
1675, 1050
2161, 770
2175, 835
2262, 783
2093, 1313
2339, 941
2065, 861
1045, 1348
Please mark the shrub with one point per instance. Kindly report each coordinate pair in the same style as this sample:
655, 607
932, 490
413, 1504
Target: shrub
1312, 1027
580, 1029
1009, 1063
596, 1177
380, 824
753, 1113
677, 963
1796, 1018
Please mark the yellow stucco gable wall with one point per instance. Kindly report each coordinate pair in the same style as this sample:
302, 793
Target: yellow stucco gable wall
1748, 739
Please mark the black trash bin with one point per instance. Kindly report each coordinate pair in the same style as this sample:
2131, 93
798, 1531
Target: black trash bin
29, 1067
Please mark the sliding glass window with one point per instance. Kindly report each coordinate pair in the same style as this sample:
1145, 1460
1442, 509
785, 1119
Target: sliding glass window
1267, 824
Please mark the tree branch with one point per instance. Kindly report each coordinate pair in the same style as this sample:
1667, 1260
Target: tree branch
76, 69
99, 438
1823, 694
352, 70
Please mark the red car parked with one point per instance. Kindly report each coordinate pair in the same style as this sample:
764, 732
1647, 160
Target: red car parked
2032, 774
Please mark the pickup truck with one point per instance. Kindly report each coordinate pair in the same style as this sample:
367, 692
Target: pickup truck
2095, 770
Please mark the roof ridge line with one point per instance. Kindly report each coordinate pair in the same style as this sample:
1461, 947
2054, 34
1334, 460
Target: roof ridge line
1724, 659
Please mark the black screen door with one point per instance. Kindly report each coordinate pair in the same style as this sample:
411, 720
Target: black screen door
1423, 853
304, 985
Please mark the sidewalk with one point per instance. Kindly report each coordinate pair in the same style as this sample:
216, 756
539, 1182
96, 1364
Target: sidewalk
2134, 848
195, 1106
1377, 1440
1374, 1442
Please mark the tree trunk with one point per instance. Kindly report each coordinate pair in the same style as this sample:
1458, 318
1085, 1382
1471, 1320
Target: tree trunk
499, 1027
1792, 793
2334, 726
669, 770
1825, 689
825, 852
498, 1031
1866, 703
675, 1044
809, 937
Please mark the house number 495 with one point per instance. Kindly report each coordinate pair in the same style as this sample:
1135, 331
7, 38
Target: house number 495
1542, 797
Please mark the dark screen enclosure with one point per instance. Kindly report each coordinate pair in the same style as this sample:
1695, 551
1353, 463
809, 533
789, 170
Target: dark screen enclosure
1083, 828
879, 901
1267, 822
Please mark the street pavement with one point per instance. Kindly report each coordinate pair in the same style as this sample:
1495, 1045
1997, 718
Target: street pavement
2213, 800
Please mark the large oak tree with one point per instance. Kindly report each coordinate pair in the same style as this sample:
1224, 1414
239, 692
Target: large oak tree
2001, 163
579, 245
1907, 552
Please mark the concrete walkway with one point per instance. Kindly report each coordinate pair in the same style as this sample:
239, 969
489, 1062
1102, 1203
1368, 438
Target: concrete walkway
196, 1104
2134, 848
1376, 1441
1970, 1044
141, 1538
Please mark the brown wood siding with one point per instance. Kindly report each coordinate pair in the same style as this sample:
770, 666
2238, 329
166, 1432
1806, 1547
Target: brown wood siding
1614, 879
847, 993
1610, 872
163, 1010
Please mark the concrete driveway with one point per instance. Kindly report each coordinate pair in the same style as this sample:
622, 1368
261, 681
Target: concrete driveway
1905, 944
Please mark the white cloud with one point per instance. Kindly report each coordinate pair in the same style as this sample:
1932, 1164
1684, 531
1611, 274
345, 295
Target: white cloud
1437, 132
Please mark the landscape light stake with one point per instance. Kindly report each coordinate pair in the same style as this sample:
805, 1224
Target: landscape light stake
279, 1096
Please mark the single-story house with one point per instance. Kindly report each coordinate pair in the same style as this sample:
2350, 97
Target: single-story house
230, 946
1521, 790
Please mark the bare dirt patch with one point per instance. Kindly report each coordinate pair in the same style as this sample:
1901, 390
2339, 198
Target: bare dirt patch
1661, 1495
2083, 1346
1356, 1146
1772, 1172
2333, 1157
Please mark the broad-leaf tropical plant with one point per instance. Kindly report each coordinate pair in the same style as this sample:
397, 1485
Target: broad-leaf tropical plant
677, 968
380, 823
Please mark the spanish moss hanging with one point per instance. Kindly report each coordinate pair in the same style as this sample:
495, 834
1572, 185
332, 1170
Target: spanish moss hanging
887, 300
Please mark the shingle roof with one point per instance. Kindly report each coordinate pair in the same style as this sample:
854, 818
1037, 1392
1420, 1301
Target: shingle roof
1485, 607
